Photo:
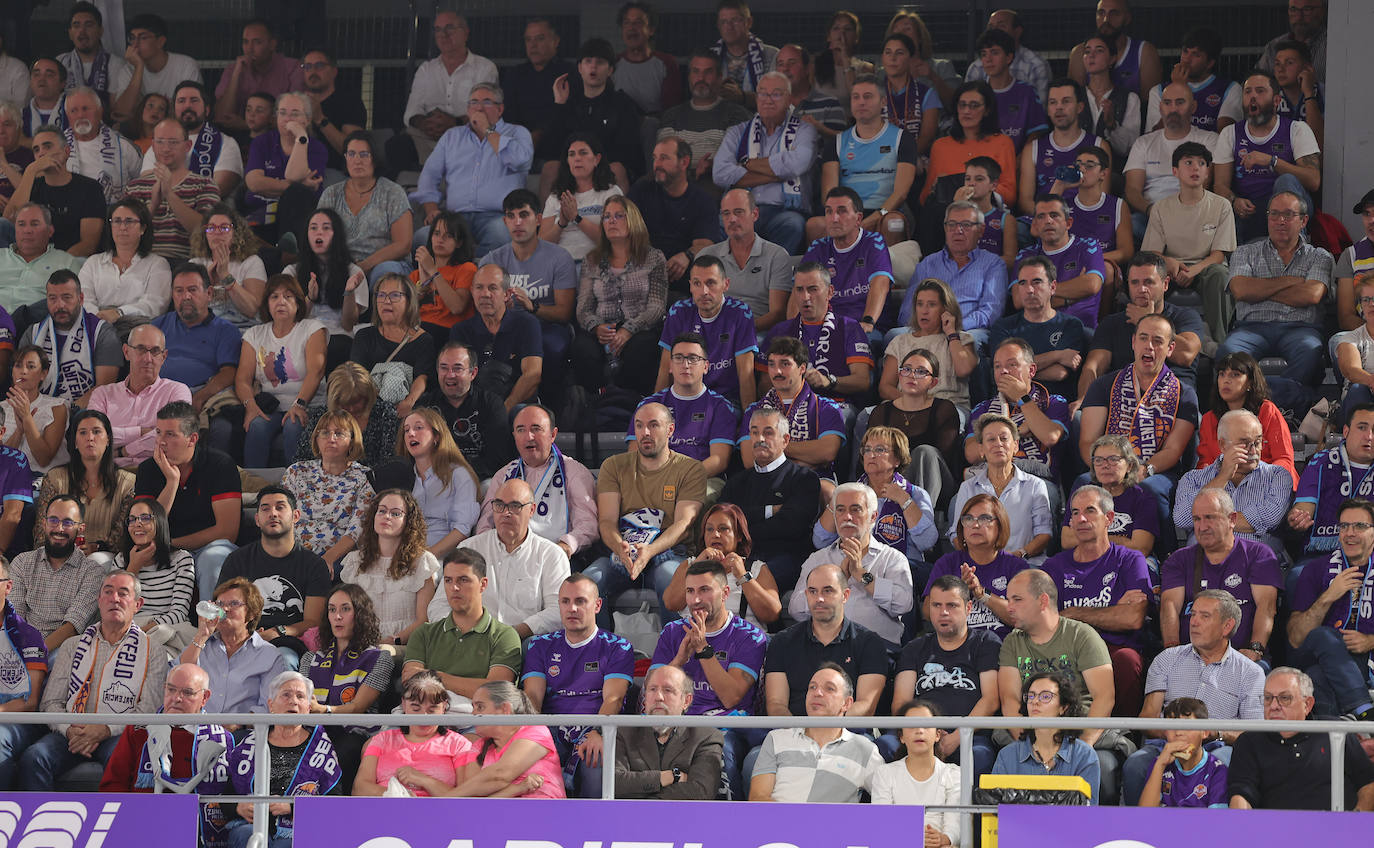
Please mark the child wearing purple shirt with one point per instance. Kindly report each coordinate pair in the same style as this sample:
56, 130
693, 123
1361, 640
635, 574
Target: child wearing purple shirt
1102, 583
1186, 773
1019, 112
851, 270
1098, 222
728, 335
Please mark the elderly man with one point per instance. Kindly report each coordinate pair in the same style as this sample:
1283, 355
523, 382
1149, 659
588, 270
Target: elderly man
815, 424
579, 670
856, 259
1149, 166
1208, 668
469, 646
818, 764
646, 503
207, 154
155, 69
760, 272
1219, 559
83, 349
566, 492
668, 763
337, 113
258, 68
1306, 24
704, 422
1041, 417
1057, 338
744, 58
176, 196
510, 339
26, 265
1281, 285
97, 151
202, 348
1329, 478
55, 587
111, 668
476, 416
772, 155
1290, 770
524, 570
77, 203
1330, 631
1259, 490
26, 656
726, 328
702, 120
439, 93
89, 64
1078, 262
134, 401
479, 163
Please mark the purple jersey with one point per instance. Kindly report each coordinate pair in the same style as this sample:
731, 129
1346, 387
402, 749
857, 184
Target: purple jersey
1134, 509
1209, 100
809, 416
1204, 786
1257, 184
1019, 112
834, 345
995, 224
851, 270
699, 422
1078, 257
1327, 480
1097, 222
1049, 157
994, 578
575, 675
1101, 583
727, 335
1249, 564
1125, 72
1349, 613
1053, 406
16, 479
739, 644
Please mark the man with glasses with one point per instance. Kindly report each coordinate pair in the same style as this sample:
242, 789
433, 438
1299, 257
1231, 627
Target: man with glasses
176, 196
82, 348
155, 69
475, 416
726, 328
132, 403
98, 151
1041, 417
704, 422
480, 164
1057, 338
839, 363
207, 155
1281, 285
439, 93
1261, 490
25, 657
337, 113
508, 340
977, 277
259, 68
1306, 24
55, 586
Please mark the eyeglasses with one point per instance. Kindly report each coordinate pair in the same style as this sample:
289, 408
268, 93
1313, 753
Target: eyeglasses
969, 520
142, 518
1252, 444
144, 350
501, 507
390, 297
315, 66
687, 359
448, 29
1365, 300
874, 450
234, 604
960, 226
1285, 698
222, 228
290, 113
614, 216
485, 102
908, 371
173, 691
1342, 526
1283, 215
335, 434
1041, 697
125, 222
1108, 460
358, 154
396, 514
770, 95
68, 524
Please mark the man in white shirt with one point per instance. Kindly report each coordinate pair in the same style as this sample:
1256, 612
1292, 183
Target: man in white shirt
88, 63
524, 570
155, 69
438, 98
98, 151
209, 155
1149, 167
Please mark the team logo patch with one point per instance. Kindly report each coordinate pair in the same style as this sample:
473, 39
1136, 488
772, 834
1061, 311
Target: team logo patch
554, 671
849, 155
670, 493
884, 148
1232, 581
591, 666
1214, 100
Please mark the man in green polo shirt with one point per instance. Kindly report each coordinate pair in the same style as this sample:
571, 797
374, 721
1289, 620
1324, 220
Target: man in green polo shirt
469, 647
26, 265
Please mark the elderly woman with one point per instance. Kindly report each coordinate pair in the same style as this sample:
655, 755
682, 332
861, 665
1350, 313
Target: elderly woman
419, 753
1116, 468
304, 763
350, 389
375, 211
91, 476
1025, 497
30, 420
332, 490
725, 539
982, 530
620, 304
399, 354
126, 283
905, 513
509, 758
285, 170
240, 663
228, 248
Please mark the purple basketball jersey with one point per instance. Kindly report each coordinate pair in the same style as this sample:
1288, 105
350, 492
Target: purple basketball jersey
1256, 184
739, 644
576, 675
1098, 223
851, 270
1080, 256
1019, 112
699, 422
727, 335
1101, 583
1049, 157
1204, 786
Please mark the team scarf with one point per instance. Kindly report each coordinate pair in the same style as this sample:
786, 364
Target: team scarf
753, 141
19, 653
316, 773
118, 684
551, 494
1323, 535
802, 414
890, 528
820, 351
755, 67
1030, 447
337, 679
205, 151
73, 369
640, 528
98, 78
1144, 417
906, 113
35, 117
209, 772
111, 162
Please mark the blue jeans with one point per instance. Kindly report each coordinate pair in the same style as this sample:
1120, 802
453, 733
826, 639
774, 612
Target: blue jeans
14, 740
239, 831
391, 266
263, 432
208, 561
1136, 771
579, 779
612, 579
1339, 678
1301, 344
783, 227
49, 758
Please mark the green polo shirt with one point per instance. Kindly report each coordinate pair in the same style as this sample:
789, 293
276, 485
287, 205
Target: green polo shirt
22, 283
441, 646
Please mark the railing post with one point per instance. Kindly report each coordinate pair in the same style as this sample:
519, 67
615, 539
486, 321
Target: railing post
1337, 772
262, 785
966, 777
608, 742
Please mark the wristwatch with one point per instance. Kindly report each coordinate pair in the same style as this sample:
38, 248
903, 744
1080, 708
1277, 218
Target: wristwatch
302, 140
578, 219
677, 774
302, 404
868, 577
705, 653
833, 380
746, 578
1150, 470
281, 631
1257, 647
907, 505
1025, 399
867, 319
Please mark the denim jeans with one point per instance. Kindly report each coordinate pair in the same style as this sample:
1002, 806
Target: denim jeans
391, 266
14, 740
1301, 344
49, 758
1339, 678
612, 579
579, 779
263, 432
239, 831
783, 227
208, 561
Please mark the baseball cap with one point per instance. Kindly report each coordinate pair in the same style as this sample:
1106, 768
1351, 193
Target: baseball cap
1364, 201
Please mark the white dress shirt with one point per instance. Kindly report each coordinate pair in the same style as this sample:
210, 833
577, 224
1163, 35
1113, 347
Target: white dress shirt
434, 87
522, 585
879, 612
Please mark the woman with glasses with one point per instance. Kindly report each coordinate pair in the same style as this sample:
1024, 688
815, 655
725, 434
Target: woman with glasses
168, 575
375, 211
930, 424
935, 326
572, 215
1113, 112
444, 269
1241, 385
92, 477
416, 754
981, 532
1025, 496
975, 133
30, 420
1116, 468
394, 567
240, 663
1043, 751
906, 517
394, 347
284, 170
126, 283
350, 390
332, 490
228, 248
725, 539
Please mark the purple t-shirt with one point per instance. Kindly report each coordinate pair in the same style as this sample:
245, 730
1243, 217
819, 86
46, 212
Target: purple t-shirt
266, 155
739, 644
1204, 786
1053, 406
1342, 615
1080, 256
1134, 509
1098, 223
16, 478
1256, 184
699, 422
994, 577
575, 675
1049, 157
833, 345
994, 224
1019, 112
1250, 563
1208, 100
1327, 480
851, 270
1101, 583
727, 335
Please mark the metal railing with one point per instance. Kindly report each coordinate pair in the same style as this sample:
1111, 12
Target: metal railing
263, 722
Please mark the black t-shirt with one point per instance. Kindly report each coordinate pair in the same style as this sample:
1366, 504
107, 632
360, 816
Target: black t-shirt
1114, 334
529, 93
370, 348
675, 222
342, 107
80, 198
213, 477
950, 679
520, 336
480, 426
797, 653
285, 582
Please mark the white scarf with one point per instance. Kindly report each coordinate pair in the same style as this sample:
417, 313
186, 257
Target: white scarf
755, 67
73, 369
111, 173
752, 144
820, 352
14, 674
552, 518
118, 684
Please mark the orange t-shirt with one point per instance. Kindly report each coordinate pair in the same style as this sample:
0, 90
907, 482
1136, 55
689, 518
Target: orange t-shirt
432, 309
948, 156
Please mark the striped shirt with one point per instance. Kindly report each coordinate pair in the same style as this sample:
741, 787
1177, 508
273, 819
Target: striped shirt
47, 598
1261, 496
166, 591
1230, 688
171, 240
804, 772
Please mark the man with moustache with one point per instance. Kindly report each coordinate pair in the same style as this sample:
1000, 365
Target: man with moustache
509, 340
702, 120
83, 350
176, 196
55, 587
202, 348
98, 151
208, 155
669, 763
475, 416
77, 204
679, 215
814, 423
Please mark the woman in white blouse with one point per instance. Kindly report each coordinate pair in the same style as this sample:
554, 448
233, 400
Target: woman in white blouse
30, 420
228, 248
127, 284
392, 564
921, 779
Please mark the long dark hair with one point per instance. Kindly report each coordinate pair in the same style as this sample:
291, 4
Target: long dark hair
162, 535
602, 178
1256, 389
457, 227
824, 62
332, 271
108, 472
1070, 700
989, 125
411, 546
367, 630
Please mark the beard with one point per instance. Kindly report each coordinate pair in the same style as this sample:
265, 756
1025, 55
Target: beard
61, 550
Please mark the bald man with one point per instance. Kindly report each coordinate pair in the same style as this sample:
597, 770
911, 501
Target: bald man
132, 403
1150, 166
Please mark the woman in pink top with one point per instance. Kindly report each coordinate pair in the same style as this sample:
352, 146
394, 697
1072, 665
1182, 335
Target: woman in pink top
511, 760
422, 757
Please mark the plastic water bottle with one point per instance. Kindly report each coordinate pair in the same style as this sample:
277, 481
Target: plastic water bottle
209, 610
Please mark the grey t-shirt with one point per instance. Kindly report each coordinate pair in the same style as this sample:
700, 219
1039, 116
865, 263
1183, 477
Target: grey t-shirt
550, 269
370, 230
769, 269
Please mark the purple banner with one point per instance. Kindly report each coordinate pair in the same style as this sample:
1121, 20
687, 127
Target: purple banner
108, 820
1159, 827
540, 823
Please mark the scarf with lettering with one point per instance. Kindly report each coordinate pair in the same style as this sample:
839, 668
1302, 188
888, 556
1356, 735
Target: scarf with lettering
20, 655
551, 495
316, 773
336, 679
756, 67
1030, 447
98, 78
752, 143
891, 527
905, 113
820, 351
803, 414
35, 117
117, 686
1145, 417
205, 151
73, 367
111, 162
209, 772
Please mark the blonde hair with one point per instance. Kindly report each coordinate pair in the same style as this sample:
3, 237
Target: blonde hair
344, 420
896, 440
639, 233
347, 383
